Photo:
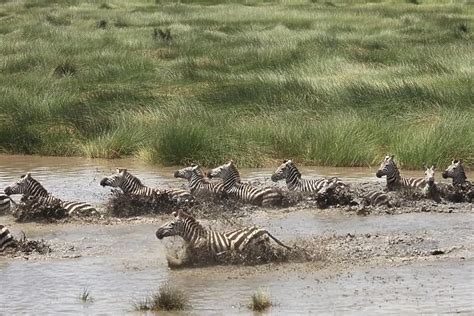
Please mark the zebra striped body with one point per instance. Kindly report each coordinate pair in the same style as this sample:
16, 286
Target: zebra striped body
197, 181
6, 239
394, 180
130, 184
30, 187
191, 231
244, 192
288, 171
457, 173
376, 198
4, 204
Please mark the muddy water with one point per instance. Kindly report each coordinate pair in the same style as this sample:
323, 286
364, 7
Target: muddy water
78, 178
121, 264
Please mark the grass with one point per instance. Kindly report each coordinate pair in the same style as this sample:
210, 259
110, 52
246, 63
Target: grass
85, 296
260, 301
339, 83
168, 298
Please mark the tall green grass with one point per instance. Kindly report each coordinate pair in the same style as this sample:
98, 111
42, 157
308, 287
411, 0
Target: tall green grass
338, 83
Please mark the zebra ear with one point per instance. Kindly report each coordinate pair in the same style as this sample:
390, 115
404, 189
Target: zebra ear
460, 161
284, 161
231, 162
121, 170
28, 175
433, 167
175, 214
392, 156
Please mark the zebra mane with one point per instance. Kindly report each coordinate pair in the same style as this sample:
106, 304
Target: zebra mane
133, 179
235, 171
198, 171
190, 219
37, 183
293, 168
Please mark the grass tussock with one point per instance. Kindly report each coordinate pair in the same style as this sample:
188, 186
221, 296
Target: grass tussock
338, 83
260, 301
168, 298
85, 296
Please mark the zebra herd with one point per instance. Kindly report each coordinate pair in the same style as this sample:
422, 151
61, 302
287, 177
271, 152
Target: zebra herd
191, 230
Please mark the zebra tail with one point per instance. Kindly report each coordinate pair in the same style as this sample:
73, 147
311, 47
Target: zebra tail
277, 241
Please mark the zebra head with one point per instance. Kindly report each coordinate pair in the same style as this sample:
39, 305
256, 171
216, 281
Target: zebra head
286, 170
387, 167
226, 171
183, 225
26, 186
188, 172
430, 175
456, 172
116, 179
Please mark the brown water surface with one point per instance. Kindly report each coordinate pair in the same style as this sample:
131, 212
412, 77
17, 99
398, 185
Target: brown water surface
121, 264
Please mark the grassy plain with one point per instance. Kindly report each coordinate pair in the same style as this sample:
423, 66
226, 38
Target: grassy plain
339, 83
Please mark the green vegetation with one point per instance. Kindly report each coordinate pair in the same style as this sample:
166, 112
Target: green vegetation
323, 82
168, 298
260, 301
85, 296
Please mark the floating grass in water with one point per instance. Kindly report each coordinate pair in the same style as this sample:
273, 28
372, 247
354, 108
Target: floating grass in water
168, 298
260, 301
85, 296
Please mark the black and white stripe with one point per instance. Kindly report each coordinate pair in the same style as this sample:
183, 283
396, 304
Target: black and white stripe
197, 181
130, 184
288, 171
389, 168
5, 204
456, 172
376, 198
30, 187
244, 192
191, 231
6, 239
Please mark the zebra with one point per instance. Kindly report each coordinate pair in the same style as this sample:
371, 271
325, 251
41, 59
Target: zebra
6, 239
389, 168
197, 182
431, 189
242, 191
5, 201
216, 243
456, 172
132, 185
288, 171
376, 198
32, 188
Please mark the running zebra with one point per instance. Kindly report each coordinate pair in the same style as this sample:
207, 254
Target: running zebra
31, 188
4, 204
132, 185
6, 239
389, 168
244, 192
456, 172
216, 243
288, 171
197, 181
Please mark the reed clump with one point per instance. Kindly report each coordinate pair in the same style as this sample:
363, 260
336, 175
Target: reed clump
168, 298
260, 301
